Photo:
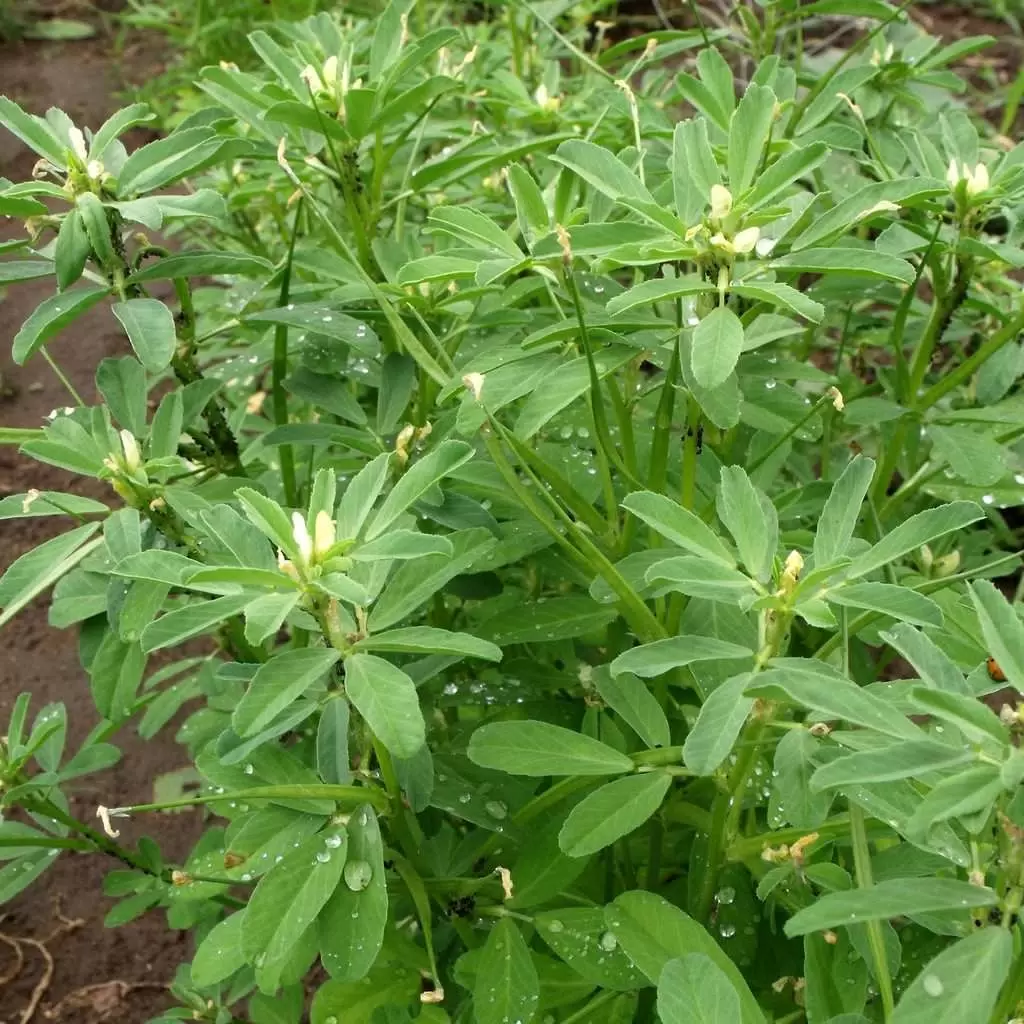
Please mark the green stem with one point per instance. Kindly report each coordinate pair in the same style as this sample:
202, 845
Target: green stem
350, 797
961, 373
862, 870
280, 371
62, 377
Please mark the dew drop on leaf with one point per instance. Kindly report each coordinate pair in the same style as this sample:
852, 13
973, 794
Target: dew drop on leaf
933, 985
358, 874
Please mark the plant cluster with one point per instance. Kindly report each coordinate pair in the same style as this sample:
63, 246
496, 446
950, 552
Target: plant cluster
581, 483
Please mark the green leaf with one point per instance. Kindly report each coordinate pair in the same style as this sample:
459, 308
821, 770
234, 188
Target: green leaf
390, 985
716, 347
332, 756
265, 615
359, 496
718, 725
653, 932
599, 167
220, 954
507, 987
531, 210
580, 936
1002, 629
150, 329
899, 602
611, 812
658, 289
202, 264
793, 799
353, 922
168, 159
662, 656
970, 716
539, 749
386, 697
679, 525
17, 271
388, 37
913, 532
694, 169
418, 479
33, 131
416, 581
962, 983
630, 699
192, 619
933, 665
901, 761
122, 382
277, 683
749, 130
851, 262
969, 791
977, 459
776, 294
838, 518
97, 227
751, 519
694, 990
780, 174
401, 544
698, 577
557, 618
897, 897
473, 228
428, 640
72, 251
323, 320
290, 897
832, 695
542, 871
30, 574
50, 317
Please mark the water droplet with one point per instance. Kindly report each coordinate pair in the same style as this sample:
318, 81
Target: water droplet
726, 895
358, 875
770, 384
1019, 477
328, 319
332, 842
465, 798
450, 689
565, 433
608, 942
556, 926
727, 931
496, 809
248, 769
933, 985
988, 499
323, 857
598, 289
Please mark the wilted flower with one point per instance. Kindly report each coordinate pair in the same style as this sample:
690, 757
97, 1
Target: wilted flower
78, 146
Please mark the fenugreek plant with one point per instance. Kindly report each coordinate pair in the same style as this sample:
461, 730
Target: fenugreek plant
581, 481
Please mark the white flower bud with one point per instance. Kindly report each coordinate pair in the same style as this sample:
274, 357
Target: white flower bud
132, 456
78, 143
330, 72
309, 75
95, 169
303, 541
746, 239
952, 174
721, 202
323, 533
475, 383
977, 181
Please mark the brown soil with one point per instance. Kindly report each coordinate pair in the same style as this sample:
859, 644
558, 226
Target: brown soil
98, 974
